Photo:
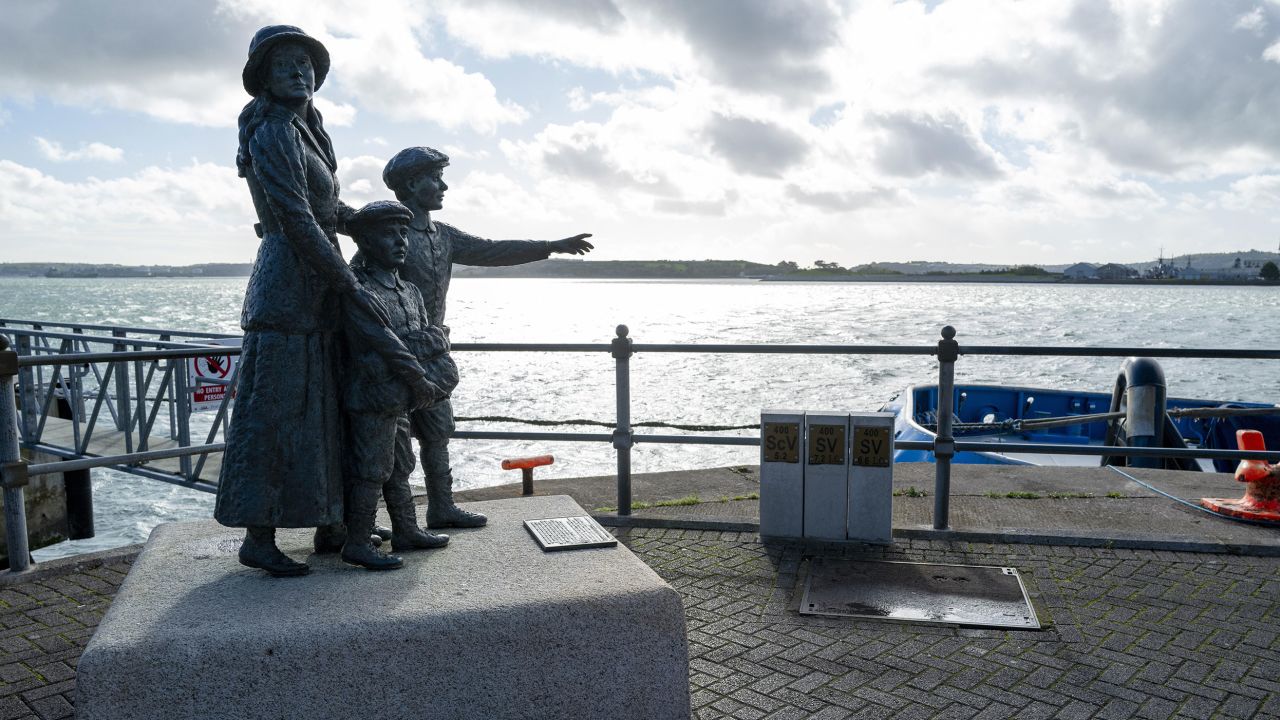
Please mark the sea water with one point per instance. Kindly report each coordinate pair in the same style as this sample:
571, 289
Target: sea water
701, 389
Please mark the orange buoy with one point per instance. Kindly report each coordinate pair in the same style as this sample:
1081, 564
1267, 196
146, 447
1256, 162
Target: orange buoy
526, 466
1261, 480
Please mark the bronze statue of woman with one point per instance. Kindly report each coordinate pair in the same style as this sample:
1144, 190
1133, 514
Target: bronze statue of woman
283, 462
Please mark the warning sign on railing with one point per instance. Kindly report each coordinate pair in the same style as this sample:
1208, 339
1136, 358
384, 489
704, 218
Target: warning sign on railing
210, 376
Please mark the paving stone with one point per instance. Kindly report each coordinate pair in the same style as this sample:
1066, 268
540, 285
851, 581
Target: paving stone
1136, 634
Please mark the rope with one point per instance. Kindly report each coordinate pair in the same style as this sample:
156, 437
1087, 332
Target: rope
1193, 506
1014, 425
598, 423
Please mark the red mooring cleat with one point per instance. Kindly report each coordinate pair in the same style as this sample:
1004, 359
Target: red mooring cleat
1261, 499
526, 466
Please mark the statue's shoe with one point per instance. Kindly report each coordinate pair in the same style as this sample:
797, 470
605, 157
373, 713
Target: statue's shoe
453, 516
368, 558
269, 558
329, 539
418, 539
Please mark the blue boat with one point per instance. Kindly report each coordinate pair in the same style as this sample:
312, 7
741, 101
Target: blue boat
1016, 416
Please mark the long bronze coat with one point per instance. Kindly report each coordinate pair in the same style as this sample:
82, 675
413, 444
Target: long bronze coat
283, 462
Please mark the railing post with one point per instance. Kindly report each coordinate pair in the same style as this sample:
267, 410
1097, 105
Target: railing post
944, 446
27, 388
13, 472
124, 420
622, 441
182, 430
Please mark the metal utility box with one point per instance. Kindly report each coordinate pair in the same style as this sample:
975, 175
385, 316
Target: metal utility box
826, 475
870, 499
781, 473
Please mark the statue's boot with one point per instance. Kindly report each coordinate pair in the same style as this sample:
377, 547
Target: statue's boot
406, 534
441, 510
362, 507
330, 538
259, 551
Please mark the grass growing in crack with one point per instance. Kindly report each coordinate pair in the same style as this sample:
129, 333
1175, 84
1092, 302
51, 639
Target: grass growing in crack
911, 491
1015, 495
1115, 495
677, 502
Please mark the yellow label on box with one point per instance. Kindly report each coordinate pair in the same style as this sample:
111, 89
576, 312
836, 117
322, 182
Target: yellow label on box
826, 444
871, 446
781, 442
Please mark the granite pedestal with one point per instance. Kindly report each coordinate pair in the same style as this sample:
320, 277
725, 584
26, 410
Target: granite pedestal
488, 627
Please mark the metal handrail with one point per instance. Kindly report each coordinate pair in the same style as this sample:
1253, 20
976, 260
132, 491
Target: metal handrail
943, 446
6, 324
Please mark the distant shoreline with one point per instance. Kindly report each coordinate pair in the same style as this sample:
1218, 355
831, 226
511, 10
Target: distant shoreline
873, 279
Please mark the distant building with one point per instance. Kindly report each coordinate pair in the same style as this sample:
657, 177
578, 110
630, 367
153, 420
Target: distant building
1081, 271
1115, 271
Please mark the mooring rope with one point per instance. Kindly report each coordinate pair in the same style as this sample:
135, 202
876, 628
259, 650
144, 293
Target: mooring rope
599, 423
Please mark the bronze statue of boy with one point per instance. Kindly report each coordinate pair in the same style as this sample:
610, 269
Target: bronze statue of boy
380, 456
415, 175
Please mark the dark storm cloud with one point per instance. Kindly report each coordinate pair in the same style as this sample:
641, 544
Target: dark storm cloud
1202, 88
919, 144
844, 201
755, 147
757, 45
78, 44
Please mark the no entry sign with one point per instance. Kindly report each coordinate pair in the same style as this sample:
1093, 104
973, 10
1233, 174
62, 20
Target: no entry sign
210, 376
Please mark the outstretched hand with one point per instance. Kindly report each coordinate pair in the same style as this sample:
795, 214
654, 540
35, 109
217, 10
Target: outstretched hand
576, 245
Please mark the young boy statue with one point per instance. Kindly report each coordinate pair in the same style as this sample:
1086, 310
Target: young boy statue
376, 398
415, 176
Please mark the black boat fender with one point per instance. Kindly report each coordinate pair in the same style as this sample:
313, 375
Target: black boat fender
1140, 392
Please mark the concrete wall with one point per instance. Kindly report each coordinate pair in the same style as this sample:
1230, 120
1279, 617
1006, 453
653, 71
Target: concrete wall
46, 509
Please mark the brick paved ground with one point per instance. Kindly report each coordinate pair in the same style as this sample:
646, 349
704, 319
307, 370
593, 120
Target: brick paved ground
1134, 634
47, 620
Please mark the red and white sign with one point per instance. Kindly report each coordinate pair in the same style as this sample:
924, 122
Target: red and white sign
211, 375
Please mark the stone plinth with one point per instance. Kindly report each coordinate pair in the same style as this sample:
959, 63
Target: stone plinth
488, 627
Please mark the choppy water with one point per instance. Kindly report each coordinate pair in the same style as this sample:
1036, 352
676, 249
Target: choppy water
711, 389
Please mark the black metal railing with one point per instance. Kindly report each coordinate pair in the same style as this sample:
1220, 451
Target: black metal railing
166, 348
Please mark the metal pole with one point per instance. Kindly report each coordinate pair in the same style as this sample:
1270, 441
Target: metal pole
12, 469
622, 440
944, 446
27, 386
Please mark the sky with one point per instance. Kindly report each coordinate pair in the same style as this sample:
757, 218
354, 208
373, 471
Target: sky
849, 131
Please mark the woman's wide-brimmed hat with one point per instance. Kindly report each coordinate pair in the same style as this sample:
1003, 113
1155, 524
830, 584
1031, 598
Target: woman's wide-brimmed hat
271, 36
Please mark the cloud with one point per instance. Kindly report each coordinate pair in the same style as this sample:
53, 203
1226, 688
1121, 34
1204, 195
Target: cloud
1171, 87
380, 63
197, 213
1254, 21
758, 45
835, 201
1253, 194
917, 145
177, 61
181, 61
582, 152
756, 147
709, 208
335, 114
88, 151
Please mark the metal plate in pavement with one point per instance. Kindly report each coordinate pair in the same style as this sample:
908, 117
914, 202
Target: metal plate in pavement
919, 592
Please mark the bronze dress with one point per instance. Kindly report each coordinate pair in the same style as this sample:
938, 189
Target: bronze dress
283, 462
